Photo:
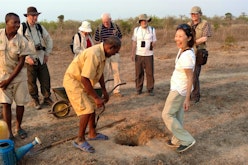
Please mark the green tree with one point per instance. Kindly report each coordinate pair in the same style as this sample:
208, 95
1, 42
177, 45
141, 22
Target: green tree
228, 18
61, 21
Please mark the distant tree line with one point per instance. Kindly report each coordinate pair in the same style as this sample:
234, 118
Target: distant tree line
127, 25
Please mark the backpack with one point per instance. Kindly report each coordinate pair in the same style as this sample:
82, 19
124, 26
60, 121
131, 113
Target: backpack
72, 42
24, 28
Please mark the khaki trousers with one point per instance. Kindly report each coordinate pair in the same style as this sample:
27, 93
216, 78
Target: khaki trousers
172, 115
112, 70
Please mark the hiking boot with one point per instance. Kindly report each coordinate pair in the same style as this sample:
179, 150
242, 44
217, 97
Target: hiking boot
170, 144
183, 148
48, 101
138, 93
151, 93
37, 104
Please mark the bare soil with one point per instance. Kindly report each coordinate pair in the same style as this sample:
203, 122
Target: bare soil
219, 122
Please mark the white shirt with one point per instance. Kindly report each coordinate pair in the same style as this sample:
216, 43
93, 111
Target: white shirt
179, 79
147, 35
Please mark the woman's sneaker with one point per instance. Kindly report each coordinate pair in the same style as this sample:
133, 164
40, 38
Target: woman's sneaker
183, 148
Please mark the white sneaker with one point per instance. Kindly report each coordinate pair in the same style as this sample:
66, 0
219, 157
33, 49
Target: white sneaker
183, 148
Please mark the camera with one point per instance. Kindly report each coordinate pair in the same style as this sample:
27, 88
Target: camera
36, 61
143, 44
151, 47
39, 47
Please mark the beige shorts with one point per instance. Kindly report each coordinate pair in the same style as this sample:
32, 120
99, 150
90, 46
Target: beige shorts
81, 102
17, 92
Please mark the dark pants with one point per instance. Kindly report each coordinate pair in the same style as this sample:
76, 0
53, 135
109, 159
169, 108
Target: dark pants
144, 64
41, 73
195, 95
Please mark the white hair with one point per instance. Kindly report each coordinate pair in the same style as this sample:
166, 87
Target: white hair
106, 15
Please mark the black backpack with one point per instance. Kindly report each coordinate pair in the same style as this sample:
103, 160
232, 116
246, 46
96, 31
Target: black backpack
24, 28
72, 41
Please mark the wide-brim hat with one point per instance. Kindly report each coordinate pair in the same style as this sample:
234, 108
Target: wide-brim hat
31, 11
144, 17
85, 27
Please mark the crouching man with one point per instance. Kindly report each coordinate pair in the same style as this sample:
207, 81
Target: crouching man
80, 77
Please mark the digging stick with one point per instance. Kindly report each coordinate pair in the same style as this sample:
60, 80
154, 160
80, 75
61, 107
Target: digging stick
103, 109
73, 137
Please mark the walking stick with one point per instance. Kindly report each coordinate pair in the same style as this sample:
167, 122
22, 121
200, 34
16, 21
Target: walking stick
71, 138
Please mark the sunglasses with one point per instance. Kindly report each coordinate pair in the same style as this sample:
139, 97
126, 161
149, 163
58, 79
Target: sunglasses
194, 14
186, 28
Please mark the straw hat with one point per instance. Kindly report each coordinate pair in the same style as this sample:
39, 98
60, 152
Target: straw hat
85, 27
31, 11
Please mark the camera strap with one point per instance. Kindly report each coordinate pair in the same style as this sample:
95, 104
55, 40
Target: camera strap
37, 27
37, 33
149, 28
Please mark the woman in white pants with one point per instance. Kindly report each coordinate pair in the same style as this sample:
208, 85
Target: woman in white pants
181, 86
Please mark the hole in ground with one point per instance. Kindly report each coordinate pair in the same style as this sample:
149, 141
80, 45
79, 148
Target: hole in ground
138, 134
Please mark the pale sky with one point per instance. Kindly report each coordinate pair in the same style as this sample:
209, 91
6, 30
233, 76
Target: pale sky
80, 10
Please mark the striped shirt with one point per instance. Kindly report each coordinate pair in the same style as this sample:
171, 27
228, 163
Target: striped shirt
107, 32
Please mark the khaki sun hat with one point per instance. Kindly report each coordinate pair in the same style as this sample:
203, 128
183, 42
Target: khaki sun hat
196, 10
31, 11
85, 27
144, 17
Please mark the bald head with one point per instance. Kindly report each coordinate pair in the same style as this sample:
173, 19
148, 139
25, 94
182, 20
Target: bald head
106, 20
106, 16
111, 46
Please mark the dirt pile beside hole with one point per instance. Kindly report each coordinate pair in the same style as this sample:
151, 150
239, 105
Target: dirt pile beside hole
138, 133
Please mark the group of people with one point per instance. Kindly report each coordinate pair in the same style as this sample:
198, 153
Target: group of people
83, 39
91, 66
25, 49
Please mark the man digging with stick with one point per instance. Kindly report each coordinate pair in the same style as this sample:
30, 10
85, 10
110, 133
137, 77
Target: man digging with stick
80, 77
